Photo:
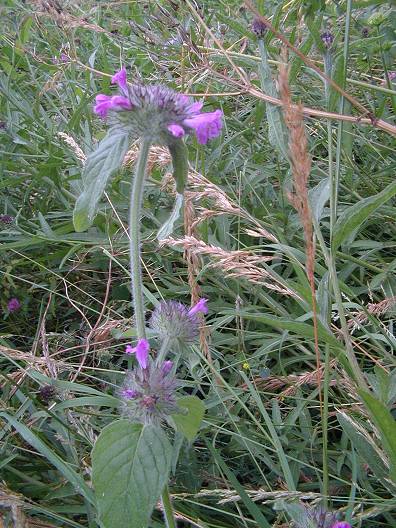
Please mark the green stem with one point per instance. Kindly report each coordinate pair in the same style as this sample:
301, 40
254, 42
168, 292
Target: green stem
163, 350
136, 274
168, 511
134, 238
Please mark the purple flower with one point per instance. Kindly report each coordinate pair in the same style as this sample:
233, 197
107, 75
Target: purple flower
327, 39
200, 307
174, 321
176, 130
6, 219
207, 126
129, 394
341, 524
149, 395
141, 350
104, 103
166, 367
64, 57
120, 78
157, 112
13, 304
259, 28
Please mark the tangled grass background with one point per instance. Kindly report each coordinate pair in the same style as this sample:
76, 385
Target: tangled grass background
287, 228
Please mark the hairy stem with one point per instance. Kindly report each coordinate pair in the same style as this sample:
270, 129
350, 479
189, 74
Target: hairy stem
134, 238
136, 274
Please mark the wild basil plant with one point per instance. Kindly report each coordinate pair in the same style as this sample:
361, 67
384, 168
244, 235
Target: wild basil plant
131, 459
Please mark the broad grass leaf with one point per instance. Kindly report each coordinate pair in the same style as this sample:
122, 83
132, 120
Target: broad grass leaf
364, 446
53, 458
167, 228
253, 509
100, 165
318, 197
354, 216
189, 423
276, 128
130, 467
386, 424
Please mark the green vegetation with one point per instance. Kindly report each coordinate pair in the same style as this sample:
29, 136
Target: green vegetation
295, 363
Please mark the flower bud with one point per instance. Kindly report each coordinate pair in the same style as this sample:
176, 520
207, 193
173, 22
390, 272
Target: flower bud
327, 39
259, 28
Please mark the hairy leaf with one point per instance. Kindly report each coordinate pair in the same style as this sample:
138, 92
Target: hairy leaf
130, 467
100, 165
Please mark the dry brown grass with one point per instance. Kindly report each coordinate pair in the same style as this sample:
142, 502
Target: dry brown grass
300, 162
240, 263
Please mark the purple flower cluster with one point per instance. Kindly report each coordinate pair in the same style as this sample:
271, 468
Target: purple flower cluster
157, 112
6, 219
13, 305
327, 39
259, 28
148, 394
175, 321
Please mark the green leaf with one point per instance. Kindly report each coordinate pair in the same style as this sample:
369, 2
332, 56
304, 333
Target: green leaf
53, 458
189, 423
363, 444
386, 424
338, 78
179, 153
167, 227
276, 130
252, 507
100, 165
318, 197
130, 467
354, 216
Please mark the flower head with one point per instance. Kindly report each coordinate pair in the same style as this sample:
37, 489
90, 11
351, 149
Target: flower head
327, 39
341, 524
157, 112
13, 305
149, 395
141, 350
259, 28
173, 320
6, 219
47, 393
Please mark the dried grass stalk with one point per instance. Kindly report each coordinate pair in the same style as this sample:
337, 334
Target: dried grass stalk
240, 263
69, 140
300, 162
359, 319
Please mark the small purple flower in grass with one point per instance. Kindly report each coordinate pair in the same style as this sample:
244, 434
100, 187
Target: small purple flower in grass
259, 28
157, 112
6, 219
13, 304
141, 350
341, 524
200, 307
327, 39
